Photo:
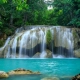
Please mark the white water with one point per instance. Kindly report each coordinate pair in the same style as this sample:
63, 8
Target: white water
23, 43
29, 42
43, 41
52, 32
2, 48
65, 39
7, 41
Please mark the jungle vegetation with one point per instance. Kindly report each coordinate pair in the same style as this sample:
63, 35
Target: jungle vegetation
20, 13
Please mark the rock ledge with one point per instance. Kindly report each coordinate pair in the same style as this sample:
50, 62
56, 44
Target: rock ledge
22, 71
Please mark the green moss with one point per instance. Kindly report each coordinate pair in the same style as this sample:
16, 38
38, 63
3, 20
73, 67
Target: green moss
75, 34
48, 37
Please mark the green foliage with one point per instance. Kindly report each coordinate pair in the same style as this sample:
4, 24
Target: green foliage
1, 43
71, 12
0, 24
52, 16
48, 37
8, 31
17, 13
35, 12
11, 15
3, 1
20, 4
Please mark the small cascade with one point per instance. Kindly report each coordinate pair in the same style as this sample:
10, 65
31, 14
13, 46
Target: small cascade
32, 39
23, 44
65, 40
6, 43
14, 45
8, 53
52, 46
4, 47
43, 42
31, 43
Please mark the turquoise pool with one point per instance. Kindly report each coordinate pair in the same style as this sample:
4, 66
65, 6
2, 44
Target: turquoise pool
48, 67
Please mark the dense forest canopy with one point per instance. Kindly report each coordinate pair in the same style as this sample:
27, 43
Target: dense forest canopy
17, 13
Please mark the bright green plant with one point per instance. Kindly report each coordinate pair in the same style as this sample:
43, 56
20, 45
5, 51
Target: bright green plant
48, 37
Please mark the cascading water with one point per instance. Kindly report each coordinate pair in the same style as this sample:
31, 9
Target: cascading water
14, 45
32, 39
32, 43
7, 41
65, 40
43, 41
52, 32
23, 44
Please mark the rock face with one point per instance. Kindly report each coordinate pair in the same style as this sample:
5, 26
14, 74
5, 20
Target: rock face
21, 72
76, 36
3, 74
50, 78
77, 53
77, 77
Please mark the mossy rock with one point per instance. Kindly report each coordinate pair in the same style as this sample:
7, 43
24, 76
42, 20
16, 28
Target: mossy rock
48, 37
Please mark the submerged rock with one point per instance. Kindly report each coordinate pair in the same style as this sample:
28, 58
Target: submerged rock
77, 77
22, 71
50, 78
3, 74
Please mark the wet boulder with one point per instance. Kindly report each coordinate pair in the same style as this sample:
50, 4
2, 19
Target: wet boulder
77, 53
46, 54
49, 54
77, 77
3, 74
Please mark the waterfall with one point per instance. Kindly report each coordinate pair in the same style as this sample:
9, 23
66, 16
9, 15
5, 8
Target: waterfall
30, 43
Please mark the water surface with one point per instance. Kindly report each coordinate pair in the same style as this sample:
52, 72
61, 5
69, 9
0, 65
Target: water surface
48, 67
